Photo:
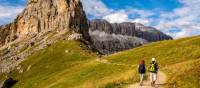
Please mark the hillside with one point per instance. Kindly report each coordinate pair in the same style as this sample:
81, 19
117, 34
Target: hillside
68, 64
179, 59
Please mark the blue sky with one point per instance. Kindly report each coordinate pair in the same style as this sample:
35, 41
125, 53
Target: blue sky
13, 2
165, 5
178, 18
9, 10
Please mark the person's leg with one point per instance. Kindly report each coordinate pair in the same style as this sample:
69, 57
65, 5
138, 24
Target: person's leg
154, 78
151, 78
141, 79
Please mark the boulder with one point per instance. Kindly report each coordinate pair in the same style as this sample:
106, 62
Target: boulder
8, 83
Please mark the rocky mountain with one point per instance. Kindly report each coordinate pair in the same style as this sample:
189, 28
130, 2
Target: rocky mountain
41, 16
111, 43
130, 29
40, 24
110, 38
44, 22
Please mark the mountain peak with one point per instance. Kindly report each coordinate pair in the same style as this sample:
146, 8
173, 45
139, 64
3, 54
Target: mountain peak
41, 16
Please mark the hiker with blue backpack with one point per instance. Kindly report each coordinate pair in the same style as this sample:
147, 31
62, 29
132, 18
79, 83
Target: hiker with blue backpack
142, 71
153, 69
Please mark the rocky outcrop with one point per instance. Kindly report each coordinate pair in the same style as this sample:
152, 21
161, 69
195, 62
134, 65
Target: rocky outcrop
109, 38
41, 16
8, 83
40, 24
7, 33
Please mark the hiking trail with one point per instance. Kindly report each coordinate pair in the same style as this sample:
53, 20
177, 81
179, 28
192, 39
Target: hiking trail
161, 79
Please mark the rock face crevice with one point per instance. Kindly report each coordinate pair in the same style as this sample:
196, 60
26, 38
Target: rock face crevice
46, 15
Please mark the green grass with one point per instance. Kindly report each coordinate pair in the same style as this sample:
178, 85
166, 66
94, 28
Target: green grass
24, 48
168, 54
2, 77
54, 68
184, 75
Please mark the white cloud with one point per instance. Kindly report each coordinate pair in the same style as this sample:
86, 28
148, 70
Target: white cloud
95, 8
180, 34
141, 13
98, 9
144, 21
186, 18
4, 12
8, 13
117, 17
122, 16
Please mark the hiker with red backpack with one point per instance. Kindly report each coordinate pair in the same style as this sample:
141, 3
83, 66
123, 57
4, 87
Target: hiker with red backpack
142, 71
153, 68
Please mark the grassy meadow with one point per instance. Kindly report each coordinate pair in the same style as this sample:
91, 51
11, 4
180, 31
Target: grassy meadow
68, 64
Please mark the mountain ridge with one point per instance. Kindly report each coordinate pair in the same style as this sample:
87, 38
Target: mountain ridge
110, 38
128, 28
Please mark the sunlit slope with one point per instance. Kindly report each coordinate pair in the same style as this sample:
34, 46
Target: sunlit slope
68, 64
178, 58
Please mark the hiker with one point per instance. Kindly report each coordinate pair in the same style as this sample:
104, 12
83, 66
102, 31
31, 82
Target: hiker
141, 70
153, 68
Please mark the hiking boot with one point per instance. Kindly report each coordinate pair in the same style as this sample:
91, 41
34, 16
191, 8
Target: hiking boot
140, 84
152, 84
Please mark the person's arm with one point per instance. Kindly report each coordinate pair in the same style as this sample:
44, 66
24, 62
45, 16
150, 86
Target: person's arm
149, 67
157, 67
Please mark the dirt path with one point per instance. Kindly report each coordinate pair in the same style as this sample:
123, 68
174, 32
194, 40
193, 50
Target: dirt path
106, 62
147, 84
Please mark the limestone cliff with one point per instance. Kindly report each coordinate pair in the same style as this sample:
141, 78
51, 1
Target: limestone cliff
131, 29
41, 16
40, 24
109, 38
